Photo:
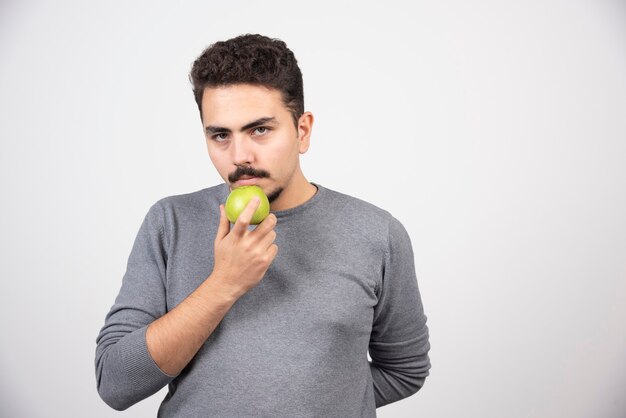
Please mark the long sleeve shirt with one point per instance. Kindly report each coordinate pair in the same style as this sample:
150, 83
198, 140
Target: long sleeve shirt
342, 285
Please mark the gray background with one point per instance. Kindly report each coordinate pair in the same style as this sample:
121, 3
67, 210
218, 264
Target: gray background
494, 130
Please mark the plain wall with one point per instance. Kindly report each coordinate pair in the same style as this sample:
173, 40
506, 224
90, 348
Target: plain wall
495, 131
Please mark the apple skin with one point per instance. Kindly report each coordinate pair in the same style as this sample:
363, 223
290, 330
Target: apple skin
238, 200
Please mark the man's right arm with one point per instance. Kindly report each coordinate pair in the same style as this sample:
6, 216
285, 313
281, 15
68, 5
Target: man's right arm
142, 348
241, 259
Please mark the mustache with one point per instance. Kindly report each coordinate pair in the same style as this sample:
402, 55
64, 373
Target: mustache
246, 171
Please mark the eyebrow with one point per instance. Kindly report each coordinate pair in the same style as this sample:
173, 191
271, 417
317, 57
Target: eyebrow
261, 121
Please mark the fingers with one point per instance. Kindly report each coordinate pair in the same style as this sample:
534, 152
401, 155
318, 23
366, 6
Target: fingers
272, 251
266, 240
266, 225
224, 226
241, 226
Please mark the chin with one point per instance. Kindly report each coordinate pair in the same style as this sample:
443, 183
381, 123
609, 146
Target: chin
274, 194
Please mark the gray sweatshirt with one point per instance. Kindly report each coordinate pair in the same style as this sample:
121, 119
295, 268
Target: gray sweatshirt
296, 345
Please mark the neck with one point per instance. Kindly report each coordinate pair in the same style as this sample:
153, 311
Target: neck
295, 194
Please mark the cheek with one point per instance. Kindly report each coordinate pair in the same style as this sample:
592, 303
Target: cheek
219, 162
281, 155
284, 161
214, 159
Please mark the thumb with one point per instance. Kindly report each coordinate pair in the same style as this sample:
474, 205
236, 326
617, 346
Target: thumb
224, 226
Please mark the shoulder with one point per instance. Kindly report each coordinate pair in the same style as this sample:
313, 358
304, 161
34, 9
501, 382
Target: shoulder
174, 209
363, 218
191, 201
355, 204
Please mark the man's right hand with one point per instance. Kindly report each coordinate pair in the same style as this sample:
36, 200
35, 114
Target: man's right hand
242, 256
241, 259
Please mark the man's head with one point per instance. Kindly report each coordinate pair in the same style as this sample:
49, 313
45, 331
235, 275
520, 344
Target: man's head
250, 59
249, 93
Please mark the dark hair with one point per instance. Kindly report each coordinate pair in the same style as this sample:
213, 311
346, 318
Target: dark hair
250, 59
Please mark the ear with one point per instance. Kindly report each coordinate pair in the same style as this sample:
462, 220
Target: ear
305, 126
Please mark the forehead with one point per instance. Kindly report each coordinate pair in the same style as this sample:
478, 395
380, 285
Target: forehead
241, 103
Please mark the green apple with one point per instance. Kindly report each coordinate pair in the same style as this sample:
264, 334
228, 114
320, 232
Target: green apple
238, 200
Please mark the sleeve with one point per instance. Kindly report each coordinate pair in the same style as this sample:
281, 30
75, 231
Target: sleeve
125, 371
399, 342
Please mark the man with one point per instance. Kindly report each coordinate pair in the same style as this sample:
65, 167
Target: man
267, 321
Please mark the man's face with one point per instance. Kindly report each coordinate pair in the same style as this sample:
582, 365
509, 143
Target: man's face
251, 138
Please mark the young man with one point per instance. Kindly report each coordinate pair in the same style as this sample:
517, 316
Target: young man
271, 321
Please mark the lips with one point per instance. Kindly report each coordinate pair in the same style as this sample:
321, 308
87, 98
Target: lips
247, 180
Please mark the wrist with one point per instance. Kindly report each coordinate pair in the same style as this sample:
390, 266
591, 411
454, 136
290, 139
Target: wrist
222, 290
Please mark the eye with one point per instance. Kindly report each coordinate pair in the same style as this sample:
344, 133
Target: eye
221, 137
260, 131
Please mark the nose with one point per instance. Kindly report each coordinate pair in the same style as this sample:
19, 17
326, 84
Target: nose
242, 151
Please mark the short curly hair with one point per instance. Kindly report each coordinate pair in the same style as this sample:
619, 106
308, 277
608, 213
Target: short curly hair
250, 59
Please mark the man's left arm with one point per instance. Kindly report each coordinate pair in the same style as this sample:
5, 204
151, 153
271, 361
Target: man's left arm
399, 342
